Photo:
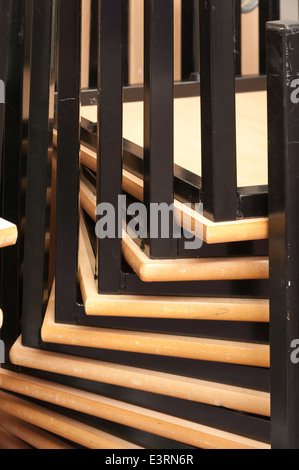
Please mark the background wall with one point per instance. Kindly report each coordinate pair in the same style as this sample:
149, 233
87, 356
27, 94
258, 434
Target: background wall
250, 43
250, 38
250, 34
289, 9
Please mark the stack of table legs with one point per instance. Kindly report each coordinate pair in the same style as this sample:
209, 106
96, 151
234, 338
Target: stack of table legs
177, 354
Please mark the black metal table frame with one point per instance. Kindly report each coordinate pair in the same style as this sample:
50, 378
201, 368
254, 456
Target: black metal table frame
66, 264
68, 306
282, 204
40, 142
68, 309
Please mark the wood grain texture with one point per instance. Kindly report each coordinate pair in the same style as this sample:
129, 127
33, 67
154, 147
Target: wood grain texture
193, 269
210, 232
8, 233
256, 310
251, 129
137, 417
215, 394
204, 349
32, 435
60, 425
10, 442
251, 109
222, 232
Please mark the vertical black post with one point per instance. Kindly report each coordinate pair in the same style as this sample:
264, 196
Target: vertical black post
158, 116
195, 76
68, 144
110, 111
188, 65
93, 54
14, 164
5, 21
269, 10
283, 113
39, 155
237, 36
126, 43
219, 175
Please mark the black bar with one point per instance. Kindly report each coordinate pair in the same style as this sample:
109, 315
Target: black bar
39, 156
181, 90
218, 133
253, 201
158, 117
14, 165
196, 41
126, 42
191, 41
93, 51
110, 89
5, 21
283, 113
187, 25
248, 84
269, 10
237, 36
67, 204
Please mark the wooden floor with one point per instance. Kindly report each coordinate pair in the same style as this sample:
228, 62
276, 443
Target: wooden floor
251, 126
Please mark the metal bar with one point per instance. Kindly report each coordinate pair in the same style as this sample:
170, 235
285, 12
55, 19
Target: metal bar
158, 117
126, 42
269, 10
283, 113
15, 137
38, 167
181, 90
188, 66
218, 133
5, 21
93, 57
237, 36
68, 129
196, 41
110, 90
253, 201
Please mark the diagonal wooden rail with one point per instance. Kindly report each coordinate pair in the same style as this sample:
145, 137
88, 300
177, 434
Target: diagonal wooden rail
200, 308
137, 417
